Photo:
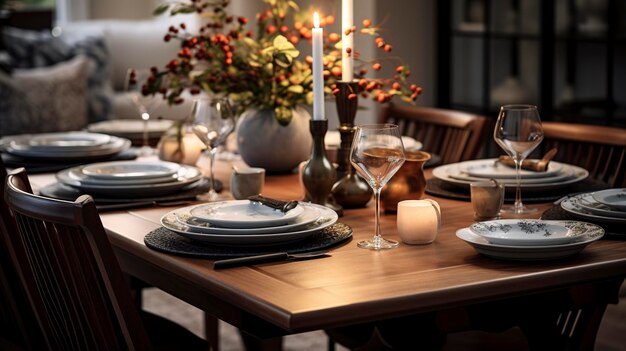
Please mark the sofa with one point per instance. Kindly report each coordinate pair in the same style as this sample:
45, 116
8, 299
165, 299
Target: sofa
92, 55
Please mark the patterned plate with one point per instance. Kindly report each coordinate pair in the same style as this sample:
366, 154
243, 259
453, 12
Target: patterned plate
526, 232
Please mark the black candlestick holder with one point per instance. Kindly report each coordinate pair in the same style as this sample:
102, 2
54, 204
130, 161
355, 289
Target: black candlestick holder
350, 191
319, 174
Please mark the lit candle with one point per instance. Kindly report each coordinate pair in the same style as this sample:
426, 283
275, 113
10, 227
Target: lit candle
418, 221
347, 41
318, 76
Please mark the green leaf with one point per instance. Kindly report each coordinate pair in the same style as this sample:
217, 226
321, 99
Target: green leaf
183, 9
283, 115
285, 46
161, 9
282, 60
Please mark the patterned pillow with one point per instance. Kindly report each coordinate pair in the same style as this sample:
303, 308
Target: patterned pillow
32, 49
45, 99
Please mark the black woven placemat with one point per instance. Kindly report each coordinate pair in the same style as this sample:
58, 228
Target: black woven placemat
438, 187
612, 231
167, 241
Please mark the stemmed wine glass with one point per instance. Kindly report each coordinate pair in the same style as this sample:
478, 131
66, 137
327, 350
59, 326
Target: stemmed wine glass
145, 102
377, 154
213, 121
518, 131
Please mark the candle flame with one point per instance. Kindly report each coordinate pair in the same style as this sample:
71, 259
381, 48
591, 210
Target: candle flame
316, 20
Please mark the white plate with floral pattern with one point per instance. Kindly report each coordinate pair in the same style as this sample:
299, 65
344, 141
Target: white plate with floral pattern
614, 198
591, 233
527, 232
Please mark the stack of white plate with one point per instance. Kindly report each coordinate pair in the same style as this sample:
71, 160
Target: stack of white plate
68, 146
124, 179
464, 173
243, 222
607, 206
523, 239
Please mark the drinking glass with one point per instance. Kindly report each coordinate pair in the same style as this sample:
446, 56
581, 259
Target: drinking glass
213, 121
518, 131
145, 102
377, 154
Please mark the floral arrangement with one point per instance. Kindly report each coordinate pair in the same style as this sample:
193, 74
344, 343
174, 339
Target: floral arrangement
265, 70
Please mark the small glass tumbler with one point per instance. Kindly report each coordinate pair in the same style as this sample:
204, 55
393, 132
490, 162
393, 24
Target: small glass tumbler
487, 199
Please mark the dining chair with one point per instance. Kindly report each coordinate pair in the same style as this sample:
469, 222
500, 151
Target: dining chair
453, 135
17, 321
599, 149
73, 280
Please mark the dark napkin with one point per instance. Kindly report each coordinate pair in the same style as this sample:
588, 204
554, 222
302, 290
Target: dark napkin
167, 241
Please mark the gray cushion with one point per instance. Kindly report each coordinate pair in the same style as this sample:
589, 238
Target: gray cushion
45, 99
32, 49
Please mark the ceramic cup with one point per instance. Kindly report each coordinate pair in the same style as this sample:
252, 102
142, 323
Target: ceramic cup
418, 221
487, 199
246, 182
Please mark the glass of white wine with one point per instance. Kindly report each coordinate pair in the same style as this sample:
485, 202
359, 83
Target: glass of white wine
377, 154
518, 131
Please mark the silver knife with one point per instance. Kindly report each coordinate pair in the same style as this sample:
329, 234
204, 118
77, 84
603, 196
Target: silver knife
273, 257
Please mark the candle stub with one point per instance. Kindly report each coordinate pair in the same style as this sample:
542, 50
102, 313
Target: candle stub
487, 199
418, 221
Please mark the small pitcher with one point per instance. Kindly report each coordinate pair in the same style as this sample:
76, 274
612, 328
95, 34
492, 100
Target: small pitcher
408, 183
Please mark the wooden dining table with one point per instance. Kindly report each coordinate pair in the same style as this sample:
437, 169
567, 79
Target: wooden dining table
355, 286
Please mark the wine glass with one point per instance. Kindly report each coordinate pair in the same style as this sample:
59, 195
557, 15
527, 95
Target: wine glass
213, 121
145, 102
518, 131
377, 154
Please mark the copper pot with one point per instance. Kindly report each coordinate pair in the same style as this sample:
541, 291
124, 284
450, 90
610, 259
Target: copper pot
408, 183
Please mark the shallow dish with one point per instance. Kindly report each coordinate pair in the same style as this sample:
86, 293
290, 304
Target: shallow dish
57, 142
115, 146
491, 169
527, 232
130, 170
187, 175
531, 253
587, 202
573, 206
614, 198
327, 218
244, 214
309, 215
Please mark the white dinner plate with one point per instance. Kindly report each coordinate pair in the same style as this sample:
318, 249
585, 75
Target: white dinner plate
244, 214
560, 176
58, 142
131, 128
614, 198
116, 145
528, 232
310, 214
587, 202
75, 173
327, 218
489, 169
572, 205
128, 170
578, 174
187, 175
530, 253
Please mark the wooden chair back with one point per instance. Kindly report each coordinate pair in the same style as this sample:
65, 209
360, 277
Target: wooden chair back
70, 273
599, 149
453, 135
18, 326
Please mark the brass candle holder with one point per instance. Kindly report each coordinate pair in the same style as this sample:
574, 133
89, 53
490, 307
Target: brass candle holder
319, 174
350, 191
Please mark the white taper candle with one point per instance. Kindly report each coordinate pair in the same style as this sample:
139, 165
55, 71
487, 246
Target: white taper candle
318, 68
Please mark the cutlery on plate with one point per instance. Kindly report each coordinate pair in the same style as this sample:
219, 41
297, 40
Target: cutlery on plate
273, 257
531, 165
280, 205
